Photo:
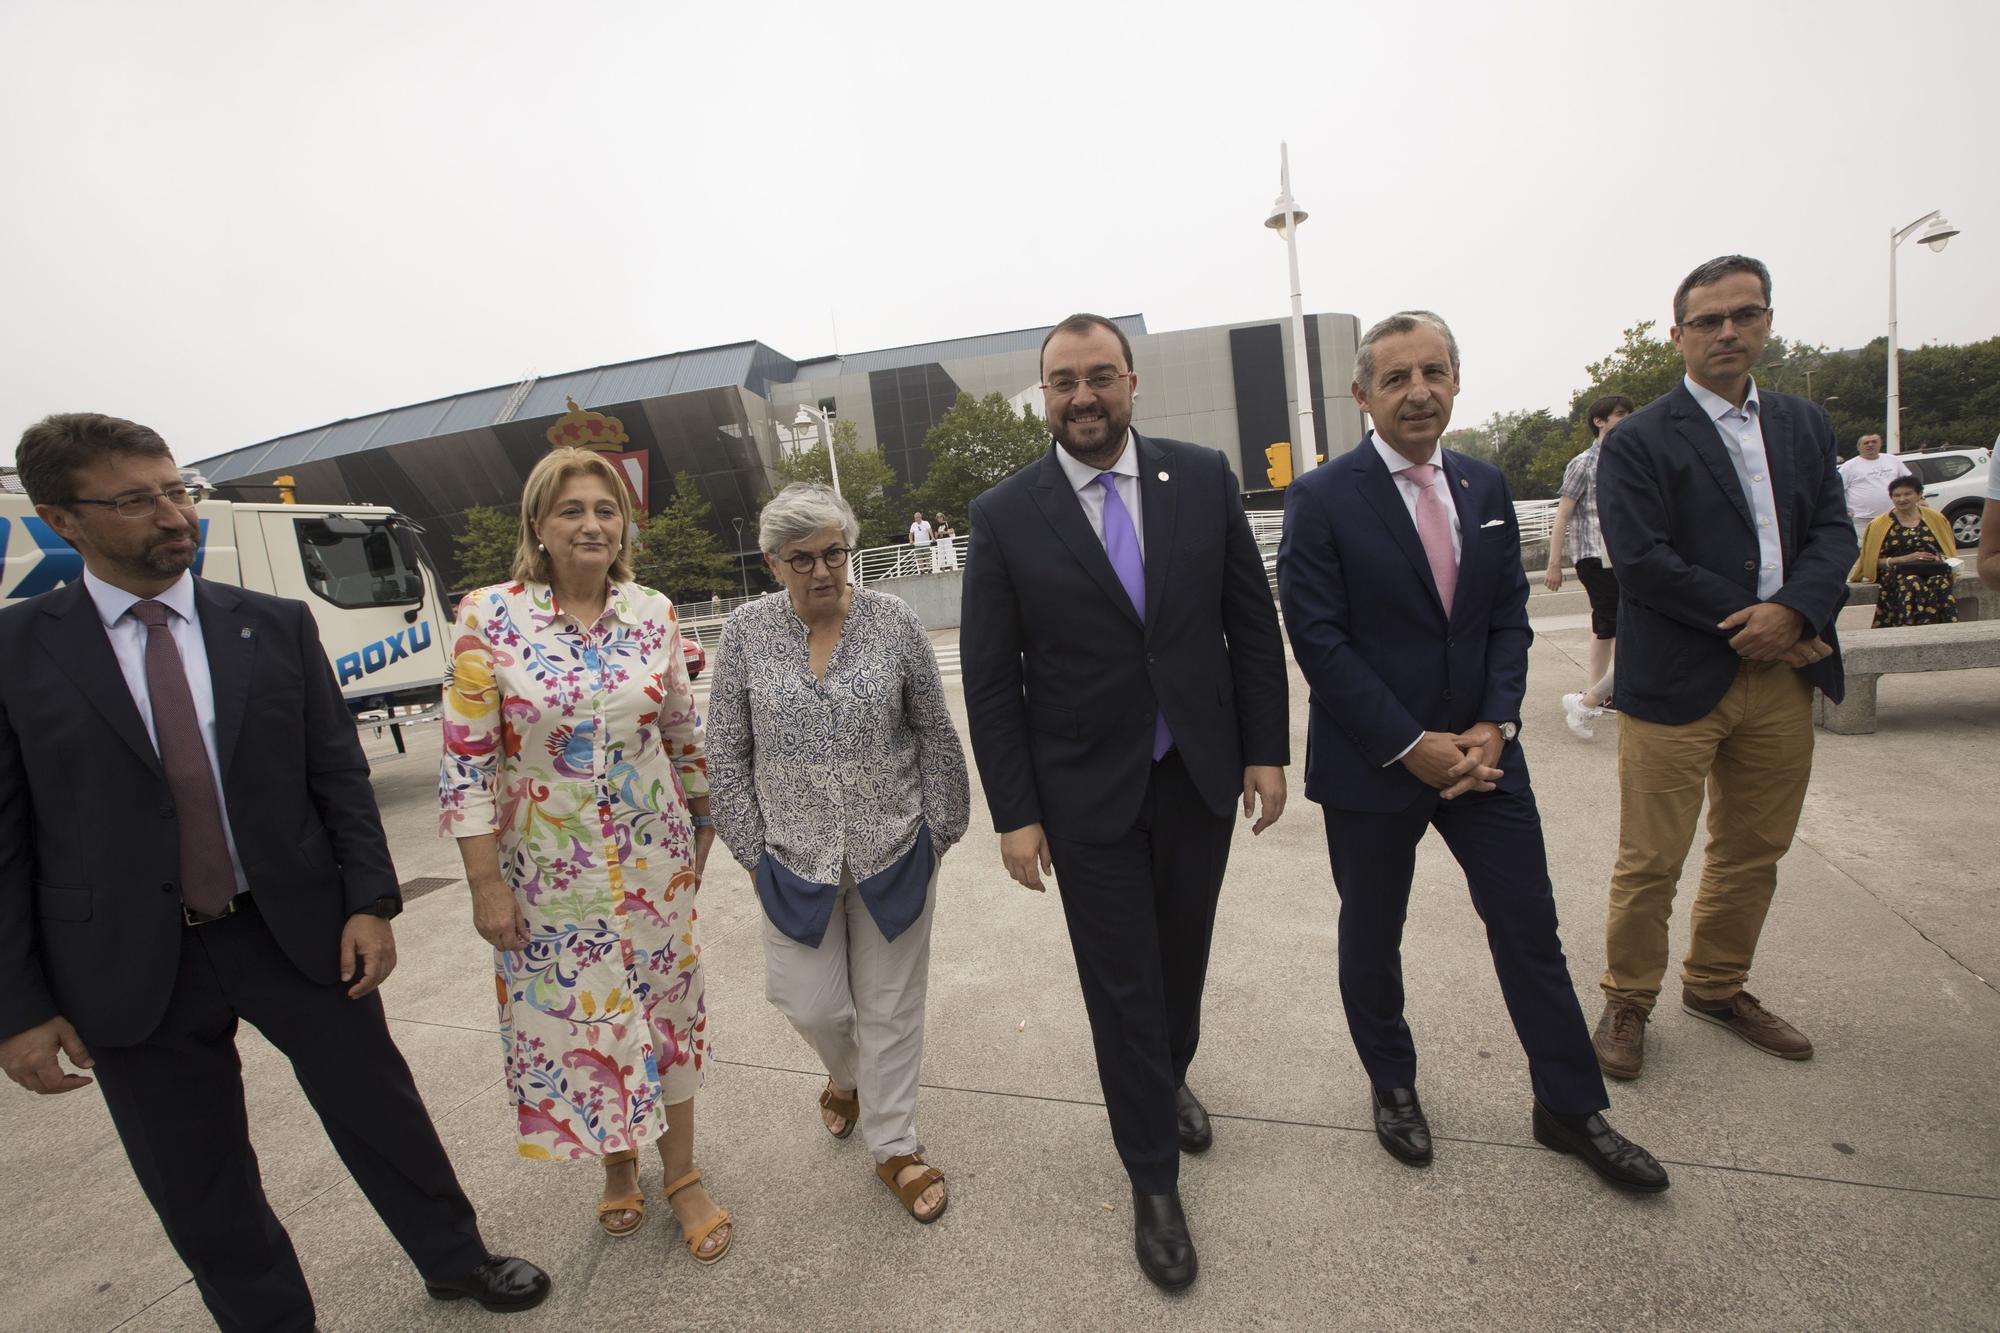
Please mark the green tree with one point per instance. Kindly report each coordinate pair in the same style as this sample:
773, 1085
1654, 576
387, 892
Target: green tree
485, 550
678, 554
866, 481
973, 446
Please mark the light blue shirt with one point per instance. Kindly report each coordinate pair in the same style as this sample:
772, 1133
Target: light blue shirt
1083, 479
1742, 433
128, 643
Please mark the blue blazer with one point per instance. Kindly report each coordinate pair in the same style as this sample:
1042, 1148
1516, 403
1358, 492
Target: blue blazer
1370, 634
1681, 538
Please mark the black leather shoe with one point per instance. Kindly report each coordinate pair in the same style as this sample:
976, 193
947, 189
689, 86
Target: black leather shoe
500, 1284
1603, 1149
1160, 1234
1401, 1127
1192, 1121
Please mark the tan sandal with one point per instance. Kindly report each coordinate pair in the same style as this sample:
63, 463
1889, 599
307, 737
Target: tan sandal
706, 1229
907, 1194
634, 1203
848, 1108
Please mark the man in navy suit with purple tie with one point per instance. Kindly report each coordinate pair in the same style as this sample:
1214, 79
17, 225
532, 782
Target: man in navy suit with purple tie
1406, 603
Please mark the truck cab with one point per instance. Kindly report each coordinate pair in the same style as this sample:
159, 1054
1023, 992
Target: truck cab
362, 569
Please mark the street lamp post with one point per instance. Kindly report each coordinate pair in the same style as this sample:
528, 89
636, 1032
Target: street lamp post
742, 574
1935, 235
1285, 218
809, 416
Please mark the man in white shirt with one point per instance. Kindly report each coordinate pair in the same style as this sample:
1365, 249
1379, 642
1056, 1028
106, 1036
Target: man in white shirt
920, 537
1865, 478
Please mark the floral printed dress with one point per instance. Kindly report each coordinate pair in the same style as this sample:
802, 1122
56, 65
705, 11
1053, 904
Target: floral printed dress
578, 746
1907, 597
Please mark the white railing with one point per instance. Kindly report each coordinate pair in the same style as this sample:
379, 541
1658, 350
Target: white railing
904, 561
1535, 517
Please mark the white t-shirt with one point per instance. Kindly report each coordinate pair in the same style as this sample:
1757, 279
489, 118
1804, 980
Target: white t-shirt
1867, 483
920, 533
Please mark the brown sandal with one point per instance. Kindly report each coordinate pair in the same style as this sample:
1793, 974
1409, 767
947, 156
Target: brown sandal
848, 1108
706, 1229
634, 1203
907, 1194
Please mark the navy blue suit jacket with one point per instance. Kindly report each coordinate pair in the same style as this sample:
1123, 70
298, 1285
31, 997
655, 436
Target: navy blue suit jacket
1682, 540
1370, 634
1062, 678
90, 923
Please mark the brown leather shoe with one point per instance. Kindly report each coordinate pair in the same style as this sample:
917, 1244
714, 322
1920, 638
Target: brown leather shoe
1741, 1014
1620, 1039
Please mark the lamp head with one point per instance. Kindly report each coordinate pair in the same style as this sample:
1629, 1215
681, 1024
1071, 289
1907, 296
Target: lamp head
1937, 234
804, 418
1280, 206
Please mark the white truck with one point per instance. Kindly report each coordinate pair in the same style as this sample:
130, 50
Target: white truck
361, 568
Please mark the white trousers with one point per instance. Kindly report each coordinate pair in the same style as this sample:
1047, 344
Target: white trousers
858, 1000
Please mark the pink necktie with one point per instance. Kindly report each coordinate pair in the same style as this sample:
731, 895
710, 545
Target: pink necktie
1434, 530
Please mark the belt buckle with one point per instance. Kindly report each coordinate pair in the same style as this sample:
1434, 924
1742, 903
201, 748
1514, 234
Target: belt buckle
193, 918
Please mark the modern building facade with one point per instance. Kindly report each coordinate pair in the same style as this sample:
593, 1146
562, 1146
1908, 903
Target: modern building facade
722, 416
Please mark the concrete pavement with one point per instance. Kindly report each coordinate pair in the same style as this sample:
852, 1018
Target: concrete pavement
1858, 1190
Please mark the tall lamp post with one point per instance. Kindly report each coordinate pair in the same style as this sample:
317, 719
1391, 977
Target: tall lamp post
810, 416
1936, 233
1285, 218
742, 573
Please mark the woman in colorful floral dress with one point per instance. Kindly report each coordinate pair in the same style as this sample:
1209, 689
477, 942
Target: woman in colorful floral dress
1904, 551
575, 783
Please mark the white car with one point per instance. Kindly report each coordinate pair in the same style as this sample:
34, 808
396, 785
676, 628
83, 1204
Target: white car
1955, 485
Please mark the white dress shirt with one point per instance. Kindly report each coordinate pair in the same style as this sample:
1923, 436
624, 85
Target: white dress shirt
1090, 495
1742, 432
128, 642
1866, 481
1406, 486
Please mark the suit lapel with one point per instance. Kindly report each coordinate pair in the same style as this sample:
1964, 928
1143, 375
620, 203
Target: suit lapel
1468, 524
232, 645
1378, 487
82, 653
1064, 512
1777, 427
1698, 430
1158, 489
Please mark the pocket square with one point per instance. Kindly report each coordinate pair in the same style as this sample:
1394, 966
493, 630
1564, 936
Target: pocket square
1493, 523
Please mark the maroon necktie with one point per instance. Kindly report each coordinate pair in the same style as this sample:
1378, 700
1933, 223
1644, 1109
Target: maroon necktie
208, 881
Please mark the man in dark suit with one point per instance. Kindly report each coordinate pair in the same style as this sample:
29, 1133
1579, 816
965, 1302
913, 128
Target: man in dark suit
188, 837
1400, 575
1724, 514
1125, 685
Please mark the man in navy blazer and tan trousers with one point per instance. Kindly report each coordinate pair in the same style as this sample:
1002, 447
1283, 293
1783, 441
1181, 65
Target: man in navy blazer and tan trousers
1723, 510
188, 838
1125, 686
1406, 603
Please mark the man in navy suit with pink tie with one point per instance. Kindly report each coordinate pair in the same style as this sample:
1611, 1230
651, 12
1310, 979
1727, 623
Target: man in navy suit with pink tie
1406, 603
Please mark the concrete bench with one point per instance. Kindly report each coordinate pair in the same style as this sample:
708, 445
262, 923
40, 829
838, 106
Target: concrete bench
1871, 654
1975, 600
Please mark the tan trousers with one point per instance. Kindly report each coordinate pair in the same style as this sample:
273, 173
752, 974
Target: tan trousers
858, 1000
1753, 756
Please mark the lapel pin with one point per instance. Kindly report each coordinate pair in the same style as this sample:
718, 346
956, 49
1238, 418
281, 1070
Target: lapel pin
246, 631
1464, 484
1163, 476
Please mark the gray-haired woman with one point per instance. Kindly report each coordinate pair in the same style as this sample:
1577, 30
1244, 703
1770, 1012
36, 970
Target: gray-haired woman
837, 779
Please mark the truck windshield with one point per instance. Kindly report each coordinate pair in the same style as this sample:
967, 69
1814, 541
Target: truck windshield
358, 562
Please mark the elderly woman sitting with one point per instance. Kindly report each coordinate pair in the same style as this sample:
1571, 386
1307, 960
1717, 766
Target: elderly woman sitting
838, 781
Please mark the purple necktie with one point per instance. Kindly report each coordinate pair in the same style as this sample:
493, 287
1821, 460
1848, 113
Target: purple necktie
208, 881
1121, 544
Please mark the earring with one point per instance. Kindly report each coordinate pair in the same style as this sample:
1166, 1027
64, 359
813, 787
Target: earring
540, 547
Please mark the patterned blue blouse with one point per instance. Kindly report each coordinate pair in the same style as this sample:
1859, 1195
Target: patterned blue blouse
850, 769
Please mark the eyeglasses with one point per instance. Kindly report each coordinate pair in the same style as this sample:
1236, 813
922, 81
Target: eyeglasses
140, 504
1743, 317
1062, 386
835, 558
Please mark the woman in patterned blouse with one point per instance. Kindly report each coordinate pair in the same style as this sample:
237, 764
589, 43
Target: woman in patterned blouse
839, 783
575, 784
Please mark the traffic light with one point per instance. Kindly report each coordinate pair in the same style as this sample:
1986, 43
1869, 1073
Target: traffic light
1279, 473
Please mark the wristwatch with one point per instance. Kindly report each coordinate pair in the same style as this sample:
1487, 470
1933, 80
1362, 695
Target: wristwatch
701, 821
1509, 730
387, 907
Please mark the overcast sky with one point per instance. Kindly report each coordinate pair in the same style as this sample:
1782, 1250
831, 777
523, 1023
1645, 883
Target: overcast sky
231, 221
